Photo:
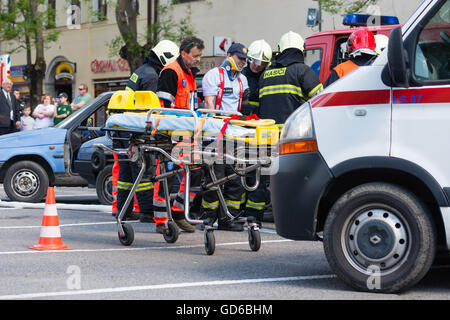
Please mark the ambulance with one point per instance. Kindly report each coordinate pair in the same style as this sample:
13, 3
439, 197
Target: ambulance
367, 162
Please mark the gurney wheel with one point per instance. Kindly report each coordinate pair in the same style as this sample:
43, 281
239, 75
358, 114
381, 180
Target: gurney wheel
171, 233
254, 239
210, 242
128, 237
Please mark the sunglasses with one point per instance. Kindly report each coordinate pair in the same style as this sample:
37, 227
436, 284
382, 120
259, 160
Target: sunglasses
80, 88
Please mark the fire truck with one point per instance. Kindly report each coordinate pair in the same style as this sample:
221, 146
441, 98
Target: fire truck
325, 50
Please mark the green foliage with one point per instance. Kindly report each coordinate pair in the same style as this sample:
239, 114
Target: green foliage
18, 23
166, 27
343, 7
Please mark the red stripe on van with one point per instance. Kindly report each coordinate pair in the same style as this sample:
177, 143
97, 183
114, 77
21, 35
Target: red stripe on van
421, 95
351, 98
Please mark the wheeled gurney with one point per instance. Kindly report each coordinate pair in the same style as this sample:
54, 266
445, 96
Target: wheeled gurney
191, 140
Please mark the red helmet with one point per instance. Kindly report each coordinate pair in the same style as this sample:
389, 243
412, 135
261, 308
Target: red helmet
361, 40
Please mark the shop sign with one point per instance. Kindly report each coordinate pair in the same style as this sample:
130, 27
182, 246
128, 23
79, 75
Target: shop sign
111, 65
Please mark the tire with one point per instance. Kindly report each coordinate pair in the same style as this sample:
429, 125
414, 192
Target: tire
98, 160
128, 237
254, 239
210, 242
103, 186
26, 181
379, 237
171, 233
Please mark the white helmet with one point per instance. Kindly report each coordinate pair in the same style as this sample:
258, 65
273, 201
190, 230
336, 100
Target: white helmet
166, 51
259, 52
291, 40
381, 42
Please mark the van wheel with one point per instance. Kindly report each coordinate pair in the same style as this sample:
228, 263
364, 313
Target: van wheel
103, 186
379, 237
26, 181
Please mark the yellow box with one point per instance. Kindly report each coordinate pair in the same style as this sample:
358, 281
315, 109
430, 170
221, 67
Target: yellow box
133, 101
266, 135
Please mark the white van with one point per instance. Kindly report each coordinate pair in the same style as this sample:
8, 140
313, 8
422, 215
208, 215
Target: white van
367, 162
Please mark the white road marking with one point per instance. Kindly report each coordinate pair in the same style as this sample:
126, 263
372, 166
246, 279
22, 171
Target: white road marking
137, 249
165, 286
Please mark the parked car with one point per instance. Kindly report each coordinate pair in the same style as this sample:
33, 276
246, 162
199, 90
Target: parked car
95, 166
30, 161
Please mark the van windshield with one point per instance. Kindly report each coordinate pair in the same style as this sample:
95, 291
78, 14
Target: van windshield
313, 58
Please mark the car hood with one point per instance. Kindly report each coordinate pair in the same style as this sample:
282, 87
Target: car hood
33, 138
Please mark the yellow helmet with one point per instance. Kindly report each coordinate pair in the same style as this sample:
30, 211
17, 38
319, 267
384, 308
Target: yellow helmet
291, 40
259, 52
166, 51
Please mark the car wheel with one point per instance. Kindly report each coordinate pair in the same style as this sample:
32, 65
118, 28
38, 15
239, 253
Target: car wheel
379, 237
103, 186
26, 181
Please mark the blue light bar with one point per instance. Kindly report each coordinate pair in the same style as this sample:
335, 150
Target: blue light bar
358, 20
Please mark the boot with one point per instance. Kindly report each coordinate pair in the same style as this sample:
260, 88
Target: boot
227, 225
185, 226
146, 217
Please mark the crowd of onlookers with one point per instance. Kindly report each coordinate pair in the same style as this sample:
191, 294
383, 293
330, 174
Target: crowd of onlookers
51, 110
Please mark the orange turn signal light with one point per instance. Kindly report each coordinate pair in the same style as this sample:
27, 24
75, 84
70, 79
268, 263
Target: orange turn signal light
298, 147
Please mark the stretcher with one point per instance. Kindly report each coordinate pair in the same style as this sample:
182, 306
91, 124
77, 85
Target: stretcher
191, 140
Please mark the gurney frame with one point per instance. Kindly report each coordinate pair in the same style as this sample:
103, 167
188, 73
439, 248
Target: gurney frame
144, 151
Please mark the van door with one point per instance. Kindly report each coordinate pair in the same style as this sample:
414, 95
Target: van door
421, 113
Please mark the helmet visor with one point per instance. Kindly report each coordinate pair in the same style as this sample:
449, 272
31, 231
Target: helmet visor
257, 62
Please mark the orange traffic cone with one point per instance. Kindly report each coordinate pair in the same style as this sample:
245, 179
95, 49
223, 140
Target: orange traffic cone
50, 237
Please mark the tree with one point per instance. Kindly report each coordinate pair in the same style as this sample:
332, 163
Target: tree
134, 46
343, 7
28, 25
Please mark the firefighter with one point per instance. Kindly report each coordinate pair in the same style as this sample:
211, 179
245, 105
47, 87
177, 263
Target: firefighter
259, 56
177, 89
226, 88
288, 82
361, 50
145, 78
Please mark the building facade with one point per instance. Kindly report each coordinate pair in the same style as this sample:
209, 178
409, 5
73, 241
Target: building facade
82, 54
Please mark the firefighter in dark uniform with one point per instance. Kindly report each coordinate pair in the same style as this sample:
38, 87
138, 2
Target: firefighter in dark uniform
361, 50
259, 55
145, 78
288, 82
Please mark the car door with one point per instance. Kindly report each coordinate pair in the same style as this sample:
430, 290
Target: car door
421, 113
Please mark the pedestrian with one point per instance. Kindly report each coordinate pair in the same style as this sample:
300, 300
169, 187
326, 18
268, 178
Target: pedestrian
177, 89
82, 99
9, 113
44, 112
259, 56
288, 82
26, 120
145, 78
361, 50
63, 110
19, 100
226, 88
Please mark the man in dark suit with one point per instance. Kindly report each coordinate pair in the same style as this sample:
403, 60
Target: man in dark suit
9, 113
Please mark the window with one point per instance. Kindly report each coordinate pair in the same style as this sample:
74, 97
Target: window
432, 57
51, 14
313, 58
99, 10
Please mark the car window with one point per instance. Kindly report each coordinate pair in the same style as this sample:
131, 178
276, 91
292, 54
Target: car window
313, 58
432, 54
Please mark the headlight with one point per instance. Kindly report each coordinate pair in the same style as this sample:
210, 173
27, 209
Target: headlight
298, 134
299, 125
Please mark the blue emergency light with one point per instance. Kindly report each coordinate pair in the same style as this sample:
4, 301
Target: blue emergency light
358, 20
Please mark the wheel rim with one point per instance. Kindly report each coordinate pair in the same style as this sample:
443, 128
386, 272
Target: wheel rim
25, 182
376, 238
107, 188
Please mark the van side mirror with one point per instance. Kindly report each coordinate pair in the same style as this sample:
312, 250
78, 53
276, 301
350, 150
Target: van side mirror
397, 59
